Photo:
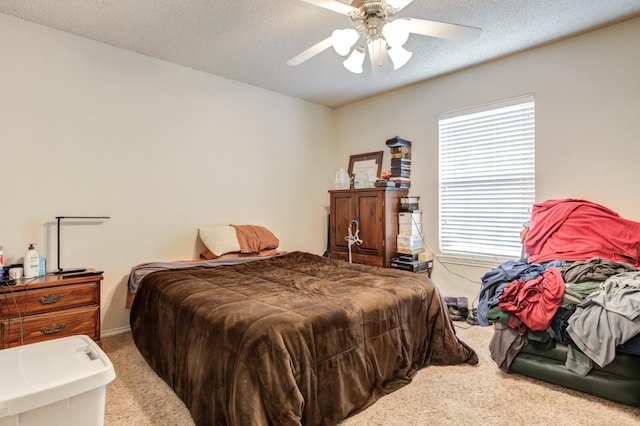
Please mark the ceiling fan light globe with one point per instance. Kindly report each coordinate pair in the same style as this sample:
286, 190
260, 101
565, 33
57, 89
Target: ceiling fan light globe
343, 40
396, 32
399, 56
354, 62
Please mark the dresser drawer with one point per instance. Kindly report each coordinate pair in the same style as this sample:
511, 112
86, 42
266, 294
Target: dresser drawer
29, 302
51, 325
358, 258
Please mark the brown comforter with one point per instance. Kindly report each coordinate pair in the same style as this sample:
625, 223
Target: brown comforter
293, 339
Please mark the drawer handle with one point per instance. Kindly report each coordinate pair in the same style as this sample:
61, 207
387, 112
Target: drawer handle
50, 299
53, 328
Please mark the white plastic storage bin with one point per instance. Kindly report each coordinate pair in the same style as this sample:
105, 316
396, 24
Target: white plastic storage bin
56, 382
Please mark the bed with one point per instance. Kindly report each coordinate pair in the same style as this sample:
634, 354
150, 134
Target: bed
290, 339
569, 312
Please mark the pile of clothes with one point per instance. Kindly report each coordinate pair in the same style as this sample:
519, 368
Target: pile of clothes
578, 282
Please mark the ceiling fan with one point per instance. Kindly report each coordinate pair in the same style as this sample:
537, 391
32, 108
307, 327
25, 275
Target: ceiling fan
383, 35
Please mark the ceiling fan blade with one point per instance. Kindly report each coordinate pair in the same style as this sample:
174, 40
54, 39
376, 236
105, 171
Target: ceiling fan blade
443, 30
310, 52
333, 5
398, 5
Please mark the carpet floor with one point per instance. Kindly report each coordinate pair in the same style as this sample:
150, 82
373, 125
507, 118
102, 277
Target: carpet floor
451, 395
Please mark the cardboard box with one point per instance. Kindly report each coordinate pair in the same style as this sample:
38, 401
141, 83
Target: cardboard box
409, 229
425, 257
60, 382
414, 217
409, 251
410, 242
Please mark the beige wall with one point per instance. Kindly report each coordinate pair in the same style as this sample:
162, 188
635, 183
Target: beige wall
587, 92
88, 129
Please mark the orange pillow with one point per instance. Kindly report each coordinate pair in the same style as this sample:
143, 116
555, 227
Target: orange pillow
207, 255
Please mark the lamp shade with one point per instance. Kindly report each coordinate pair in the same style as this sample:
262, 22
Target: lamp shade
354, 62
396, 32
343, 40
399, 56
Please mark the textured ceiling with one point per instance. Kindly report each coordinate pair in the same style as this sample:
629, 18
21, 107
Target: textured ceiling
251, 40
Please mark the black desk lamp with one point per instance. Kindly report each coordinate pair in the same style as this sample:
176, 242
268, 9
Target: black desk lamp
59, 218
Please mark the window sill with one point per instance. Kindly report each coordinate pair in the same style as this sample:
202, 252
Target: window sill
475, 261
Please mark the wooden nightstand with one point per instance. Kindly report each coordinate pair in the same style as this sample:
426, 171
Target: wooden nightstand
48, 308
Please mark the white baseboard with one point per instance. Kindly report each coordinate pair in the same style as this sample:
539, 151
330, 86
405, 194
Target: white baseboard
114, 331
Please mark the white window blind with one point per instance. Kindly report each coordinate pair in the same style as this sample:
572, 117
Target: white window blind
487, 179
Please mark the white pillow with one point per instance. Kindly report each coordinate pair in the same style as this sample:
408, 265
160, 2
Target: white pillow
220, 239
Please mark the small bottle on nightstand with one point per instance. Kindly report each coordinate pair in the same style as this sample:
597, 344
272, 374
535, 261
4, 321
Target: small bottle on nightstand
31, 263
1, 263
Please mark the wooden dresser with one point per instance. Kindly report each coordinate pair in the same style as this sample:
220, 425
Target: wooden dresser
376, 211
48, 308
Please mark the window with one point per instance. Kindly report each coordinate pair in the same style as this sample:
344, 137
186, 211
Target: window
487, 180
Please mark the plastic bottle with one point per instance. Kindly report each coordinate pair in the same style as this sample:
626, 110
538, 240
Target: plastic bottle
1, 263
31, 263
342, 180
42, 266
361, 180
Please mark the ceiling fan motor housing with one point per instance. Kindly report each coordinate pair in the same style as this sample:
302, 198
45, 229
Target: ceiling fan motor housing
371, 16
372, 7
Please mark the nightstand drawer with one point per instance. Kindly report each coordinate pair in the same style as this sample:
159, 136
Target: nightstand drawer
37, 328
28, 302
